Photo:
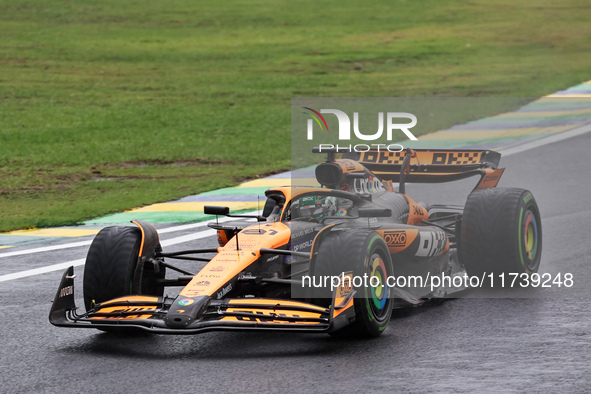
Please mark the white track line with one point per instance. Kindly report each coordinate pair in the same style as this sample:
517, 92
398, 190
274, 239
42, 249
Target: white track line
42, 270
85, 243
188, 237
75, 263
45, 249
547, 140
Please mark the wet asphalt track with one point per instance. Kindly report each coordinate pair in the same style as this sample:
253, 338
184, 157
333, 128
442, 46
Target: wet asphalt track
460, 345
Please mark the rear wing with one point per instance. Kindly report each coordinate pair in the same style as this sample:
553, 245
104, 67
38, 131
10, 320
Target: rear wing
428, 165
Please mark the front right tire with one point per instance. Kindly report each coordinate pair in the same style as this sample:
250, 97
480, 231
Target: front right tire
111, 266
364, 252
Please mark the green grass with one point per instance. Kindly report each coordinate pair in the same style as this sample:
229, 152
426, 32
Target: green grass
108, 105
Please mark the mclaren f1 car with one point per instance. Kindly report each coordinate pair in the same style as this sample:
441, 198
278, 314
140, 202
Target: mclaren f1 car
276, 270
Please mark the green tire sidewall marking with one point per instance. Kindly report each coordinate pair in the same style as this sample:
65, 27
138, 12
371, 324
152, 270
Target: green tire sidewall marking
527, 197
374, 239
520, 238
535, 247
533, 226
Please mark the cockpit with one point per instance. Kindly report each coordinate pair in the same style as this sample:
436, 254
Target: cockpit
312, 207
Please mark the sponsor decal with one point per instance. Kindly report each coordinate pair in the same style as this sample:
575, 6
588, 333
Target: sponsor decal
303, 246
218, 268
224, 291
350, 165
431, 243
226, 256
263, 318
256, 231
302, 233
382, 157
247, 245
491, 178
193, 293
388, 185
417, 210
368, 185
341, 212
134, 309
345, 285
186, 301
203, 283
395, 238
456, 158
270, 317
396, 157
142, 313
309, 200
66, 291
273, 258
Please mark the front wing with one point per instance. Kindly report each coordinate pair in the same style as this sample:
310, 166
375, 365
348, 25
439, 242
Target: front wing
149, 313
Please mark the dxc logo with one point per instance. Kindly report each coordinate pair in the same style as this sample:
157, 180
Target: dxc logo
345, 124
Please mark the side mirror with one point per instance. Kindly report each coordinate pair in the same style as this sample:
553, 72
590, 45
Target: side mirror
225, 211
374, 212
270, 204
214, 210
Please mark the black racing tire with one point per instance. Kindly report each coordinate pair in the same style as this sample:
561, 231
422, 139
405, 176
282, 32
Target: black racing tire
111, 264
362, 252
501, 232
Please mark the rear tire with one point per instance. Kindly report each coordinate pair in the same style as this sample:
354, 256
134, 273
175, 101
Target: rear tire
111, 264
362, 252
501, 232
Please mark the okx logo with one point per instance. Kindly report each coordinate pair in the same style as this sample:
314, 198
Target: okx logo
392, 120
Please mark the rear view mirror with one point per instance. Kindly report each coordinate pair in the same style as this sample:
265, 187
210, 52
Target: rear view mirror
214, 210
270, 204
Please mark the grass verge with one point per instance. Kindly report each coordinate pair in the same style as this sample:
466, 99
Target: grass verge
105, 105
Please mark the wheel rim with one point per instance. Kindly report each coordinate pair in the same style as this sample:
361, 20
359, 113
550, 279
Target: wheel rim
379, 291
530, 239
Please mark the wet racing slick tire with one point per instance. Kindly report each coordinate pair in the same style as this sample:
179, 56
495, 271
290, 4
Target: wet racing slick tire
501, 232
364, 252
111, 265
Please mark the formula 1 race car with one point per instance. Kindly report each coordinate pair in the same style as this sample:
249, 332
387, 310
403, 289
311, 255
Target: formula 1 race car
304, 264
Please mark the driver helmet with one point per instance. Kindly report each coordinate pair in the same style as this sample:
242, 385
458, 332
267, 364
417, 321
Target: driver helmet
317, 207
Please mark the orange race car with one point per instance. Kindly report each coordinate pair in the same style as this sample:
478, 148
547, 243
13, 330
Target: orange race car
335, 259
